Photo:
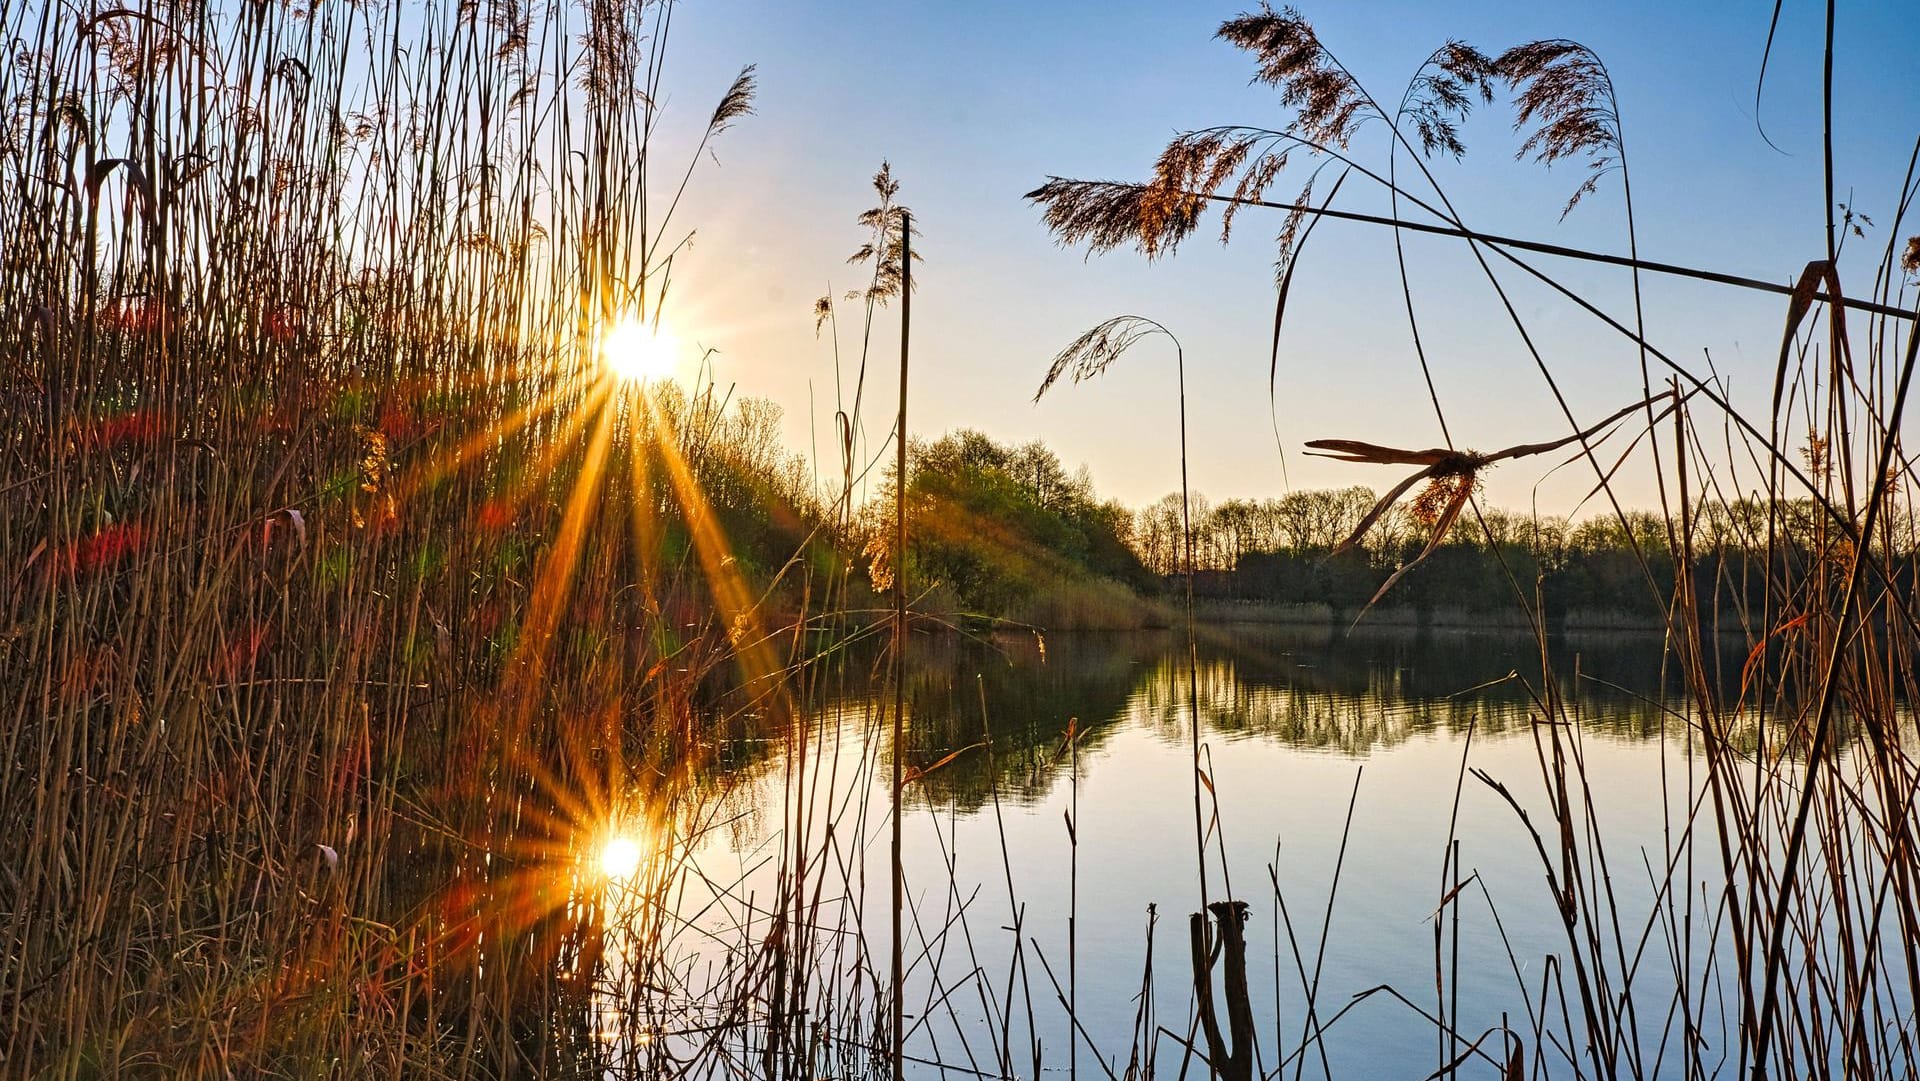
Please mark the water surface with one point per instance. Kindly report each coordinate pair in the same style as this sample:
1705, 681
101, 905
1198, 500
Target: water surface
1334, 775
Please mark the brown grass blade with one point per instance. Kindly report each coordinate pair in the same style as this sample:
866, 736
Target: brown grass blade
1380, 507
1440, 528
914, 773
1353, 450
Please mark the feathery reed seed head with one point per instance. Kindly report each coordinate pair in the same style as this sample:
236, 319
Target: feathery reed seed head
1563, 85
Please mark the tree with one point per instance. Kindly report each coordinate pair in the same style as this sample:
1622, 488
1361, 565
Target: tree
1000, 526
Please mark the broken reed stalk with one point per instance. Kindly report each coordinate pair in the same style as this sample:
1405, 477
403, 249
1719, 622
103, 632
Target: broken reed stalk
1452, 477
898, 974
1229, 1054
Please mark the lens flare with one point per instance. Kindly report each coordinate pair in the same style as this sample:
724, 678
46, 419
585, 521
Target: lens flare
620, 858
634, 351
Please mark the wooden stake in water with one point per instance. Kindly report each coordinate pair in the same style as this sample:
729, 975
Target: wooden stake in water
900, 617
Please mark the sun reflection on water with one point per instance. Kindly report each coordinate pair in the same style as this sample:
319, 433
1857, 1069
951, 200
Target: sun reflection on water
620, 858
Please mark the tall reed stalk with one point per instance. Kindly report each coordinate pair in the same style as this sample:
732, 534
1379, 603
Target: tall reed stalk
1807, 926
900, 635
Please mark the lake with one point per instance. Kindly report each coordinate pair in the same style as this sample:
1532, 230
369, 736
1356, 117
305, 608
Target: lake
1335, 773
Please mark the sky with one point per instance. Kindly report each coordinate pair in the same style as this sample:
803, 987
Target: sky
976, 104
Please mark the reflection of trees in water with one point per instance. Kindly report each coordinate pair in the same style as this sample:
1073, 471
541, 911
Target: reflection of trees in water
1434, 664
1317, 687
1308, 687
1299, 714
1033, 687
1311, 715
1312, 687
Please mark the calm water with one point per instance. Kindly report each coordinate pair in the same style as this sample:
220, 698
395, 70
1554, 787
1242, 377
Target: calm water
1297, 727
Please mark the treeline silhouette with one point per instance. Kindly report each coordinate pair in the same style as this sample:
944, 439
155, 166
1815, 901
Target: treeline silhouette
1008, 532
1606, 569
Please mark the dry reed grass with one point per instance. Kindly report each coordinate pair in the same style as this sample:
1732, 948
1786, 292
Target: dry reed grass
1784, 939
348, 604
329, 649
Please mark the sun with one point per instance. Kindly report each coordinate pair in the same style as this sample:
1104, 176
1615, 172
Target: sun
634, 351
620, 858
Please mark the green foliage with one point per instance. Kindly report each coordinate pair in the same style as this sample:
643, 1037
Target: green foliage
1281, 552
761, 495
1006, 528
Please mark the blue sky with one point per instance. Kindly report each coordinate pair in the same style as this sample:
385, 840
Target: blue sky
976, 104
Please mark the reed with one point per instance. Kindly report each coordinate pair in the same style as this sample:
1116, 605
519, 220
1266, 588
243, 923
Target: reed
388, 689
1809, 944
352, 604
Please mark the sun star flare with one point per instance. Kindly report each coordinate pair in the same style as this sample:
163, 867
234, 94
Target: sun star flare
620, 858
634, 351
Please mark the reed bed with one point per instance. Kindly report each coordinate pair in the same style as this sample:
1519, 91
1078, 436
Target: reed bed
1779, 940
353, 613
349, 605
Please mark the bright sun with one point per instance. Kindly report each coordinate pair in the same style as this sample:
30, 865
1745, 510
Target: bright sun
620, 858
635, 351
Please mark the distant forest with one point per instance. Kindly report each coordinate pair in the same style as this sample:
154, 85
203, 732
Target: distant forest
1005, 532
